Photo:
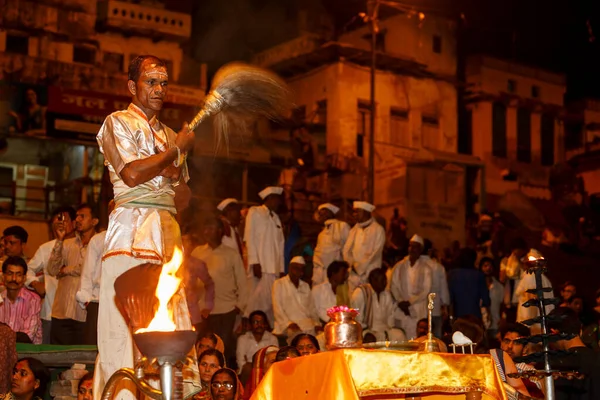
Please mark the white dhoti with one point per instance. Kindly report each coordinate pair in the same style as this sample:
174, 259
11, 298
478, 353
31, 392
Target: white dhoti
115, 342
261, 299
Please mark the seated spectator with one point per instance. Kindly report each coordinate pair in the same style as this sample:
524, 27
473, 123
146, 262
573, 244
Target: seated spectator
21, 308
306, 344
30, 378
261, 362
286, 353
293, 305
226, 386
14, 239
332, 292
209, 362
85, 388
8, 356
567, 291
423, 331
209, 341
377, 308
250, 342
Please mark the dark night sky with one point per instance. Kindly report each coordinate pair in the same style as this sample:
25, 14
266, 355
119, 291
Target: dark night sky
552, 35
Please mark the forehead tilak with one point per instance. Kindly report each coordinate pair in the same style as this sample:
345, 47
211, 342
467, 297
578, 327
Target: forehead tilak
154, 70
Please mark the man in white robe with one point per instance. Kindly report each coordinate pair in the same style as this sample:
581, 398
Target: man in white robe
231, 216
411, 283
376, 308
265, 242
439, 286
334, 292
146, 163
330, 242
363, 250
293, 304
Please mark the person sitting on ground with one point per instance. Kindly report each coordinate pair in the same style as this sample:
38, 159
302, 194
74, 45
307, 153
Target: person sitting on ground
286, 353
225, 385
209, 341
208, 363
250, 342
85, 388
30, 378
306, 344
423, 331
261, 362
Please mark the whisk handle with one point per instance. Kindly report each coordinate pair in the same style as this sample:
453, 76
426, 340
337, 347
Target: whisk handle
213, 104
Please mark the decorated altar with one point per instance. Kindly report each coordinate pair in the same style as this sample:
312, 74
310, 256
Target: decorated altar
378, 374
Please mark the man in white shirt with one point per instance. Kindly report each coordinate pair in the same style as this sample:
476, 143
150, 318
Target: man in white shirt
293, 304
334, 291
363, 250
439, 286
231, 216
330, 241
491, 319
376, 307
38, 277
250, 342
265, 244
227, 272
89, 287
411, 283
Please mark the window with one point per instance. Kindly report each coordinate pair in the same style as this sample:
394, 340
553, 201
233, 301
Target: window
363, 126
437, 44
547, 134
499, 130
430, 131
512, 86
523, 135
84, 55
535, 92
17, 44
399, 128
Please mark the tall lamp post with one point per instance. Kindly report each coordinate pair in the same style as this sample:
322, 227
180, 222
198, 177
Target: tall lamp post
372, 19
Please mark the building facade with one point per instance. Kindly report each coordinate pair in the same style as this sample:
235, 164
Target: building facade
63, 70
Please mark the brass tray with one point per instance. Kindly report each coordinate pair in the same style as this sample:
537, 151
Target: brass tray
393, 345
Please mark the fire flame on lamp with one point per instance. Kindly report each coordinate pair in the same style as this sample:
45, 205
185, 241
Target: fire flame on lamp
168, 283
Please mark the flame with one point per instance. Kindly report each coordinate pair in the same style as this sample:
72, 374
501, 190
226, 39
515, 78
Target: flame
168, 283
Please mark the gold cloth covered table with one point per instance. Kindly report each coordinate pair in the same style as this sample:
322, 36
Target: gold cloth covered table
377, 374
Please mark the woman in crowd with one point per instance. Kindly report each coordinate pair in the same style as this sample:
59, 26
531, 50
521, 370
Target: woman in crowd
85, 389
306, 344
286, 353
261, 362
209, 362
209, 341
225, 385
30, 377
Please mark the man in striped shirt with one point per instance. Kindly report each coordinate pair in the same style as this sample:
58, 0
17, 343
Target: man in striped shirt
20, 308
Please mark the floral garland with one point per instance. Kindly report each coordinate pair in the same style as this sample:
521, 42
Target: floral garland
337, 309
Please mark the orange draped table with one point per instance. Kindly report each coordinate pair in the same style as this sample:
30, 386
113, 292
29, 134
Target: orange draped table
377, 374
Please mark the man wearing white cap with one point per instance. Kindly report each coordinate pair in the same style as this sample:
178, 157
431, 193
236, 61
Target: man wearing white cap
411, 283
363, 250
265, 243
231, 216
330, 241
293, 304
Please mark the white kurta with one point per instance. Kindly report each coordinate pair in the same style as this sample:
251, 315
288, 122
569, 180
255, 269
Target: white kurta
247, 346
293, 305
37, 270
227, 272
330, 244
141, 229
264, 243
89, 289
411, 284
439, 286
324, 299
363, 251
526, 283
382, 308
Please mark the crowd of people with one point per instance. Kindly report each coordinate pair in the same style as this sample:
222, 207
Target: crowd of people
251, 310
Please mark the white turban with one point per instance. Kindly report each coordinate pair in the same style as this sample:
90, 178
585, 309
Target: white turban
225, 203
330, 207
298, 260
363, 205
417, 239
270, 190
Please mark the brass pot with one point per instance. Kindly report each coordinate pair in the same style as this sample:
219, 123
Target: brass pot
342, 331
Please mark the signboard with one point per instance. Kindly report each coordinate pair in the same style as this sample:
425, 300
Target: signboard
74, 114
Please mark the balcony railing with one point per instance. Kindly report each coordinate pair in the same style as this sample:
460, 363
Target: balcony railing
41, 71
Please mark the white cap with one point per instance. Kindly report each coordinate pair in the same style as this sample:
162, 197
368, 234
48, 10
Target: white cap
417, 239
330, 207
298, 260
270, 190
225, 203
363, 205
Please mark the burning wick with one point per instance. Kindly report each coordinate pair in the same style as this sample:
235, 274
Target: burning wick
168, 283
